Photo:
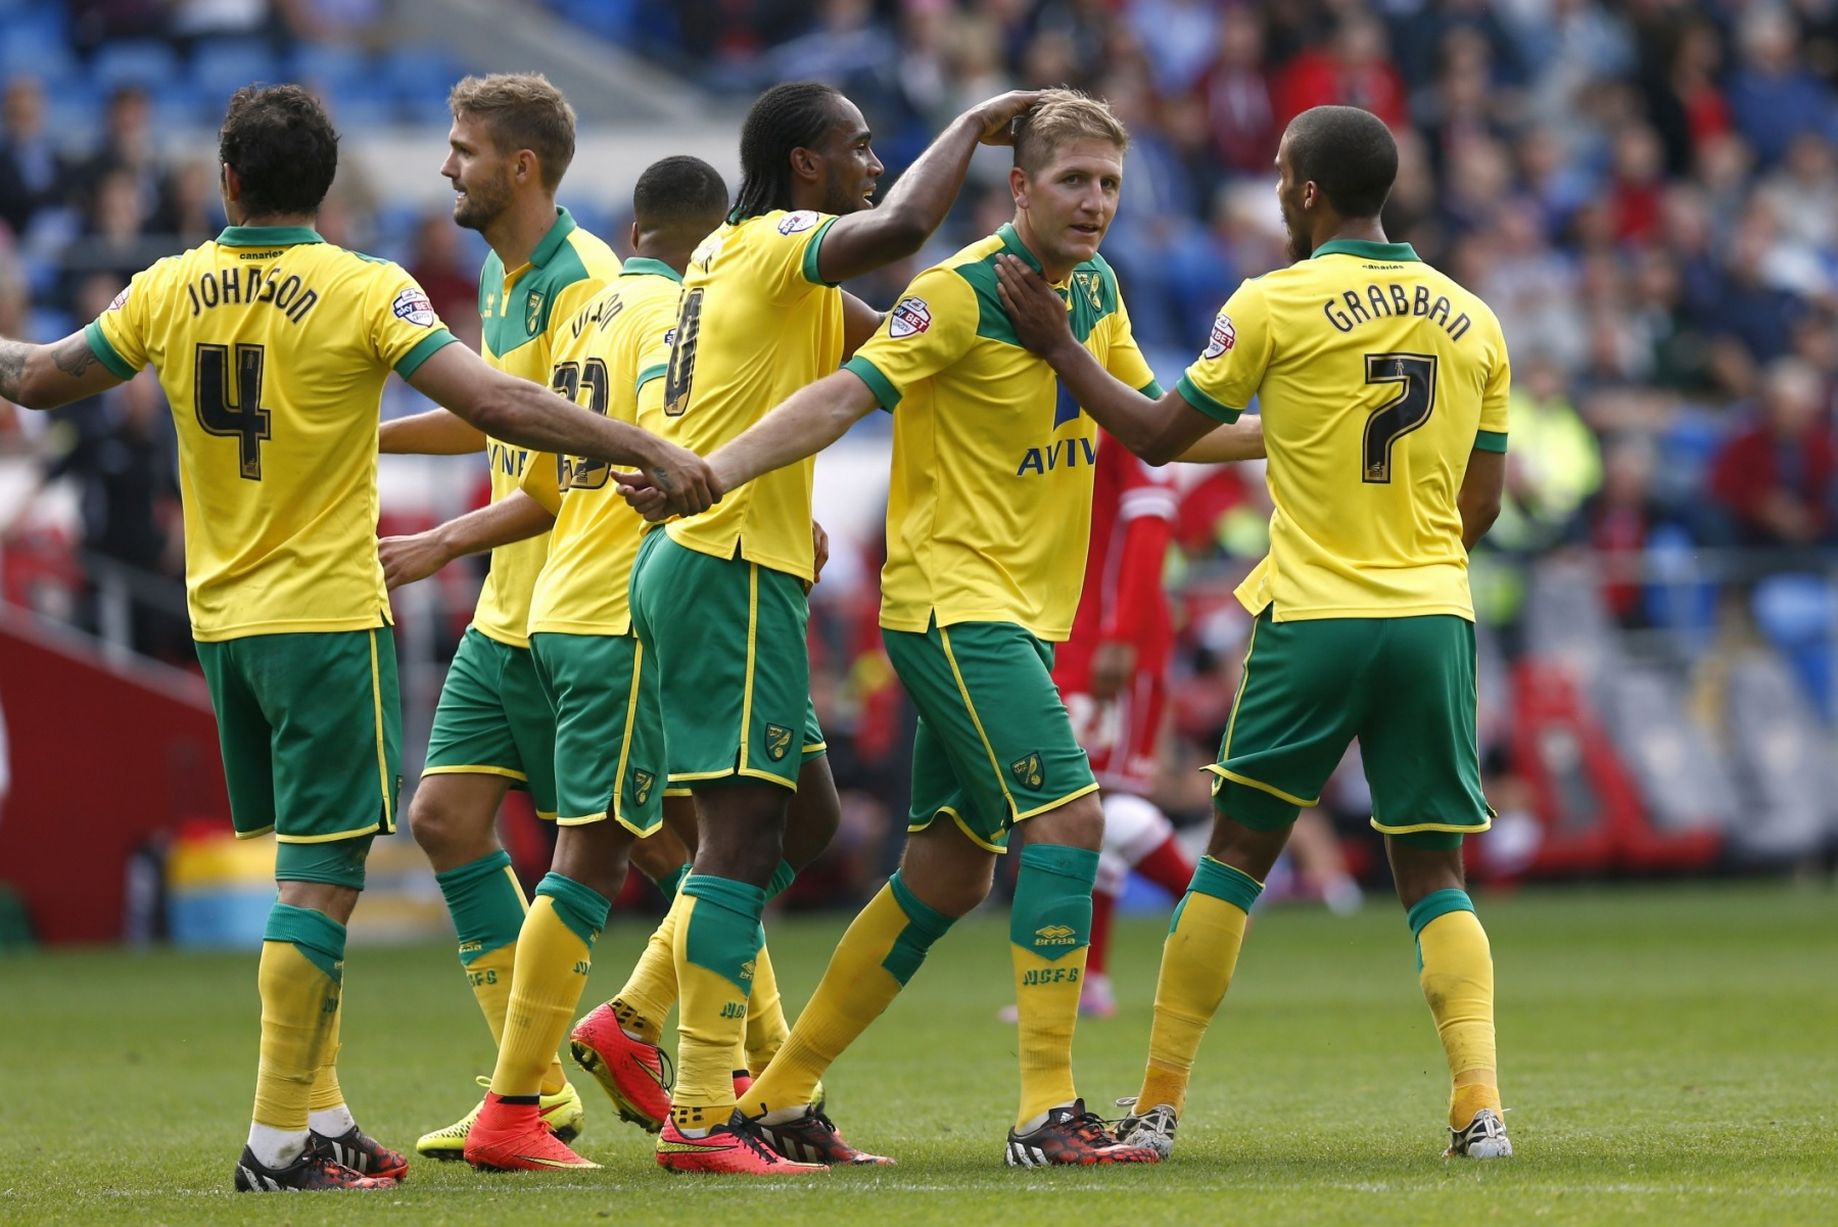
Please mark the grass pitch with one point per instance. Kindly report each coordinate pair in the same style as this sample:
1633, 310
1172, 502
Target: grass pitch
1671, 1056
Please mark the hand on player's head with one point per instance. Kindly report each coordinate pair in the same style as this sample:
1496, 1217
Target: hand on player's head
997, 116
1036, 310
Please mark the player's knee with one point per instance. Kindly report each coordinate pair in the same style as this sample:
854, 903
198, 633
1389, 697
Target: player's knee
954, 894
596, 855
1079, 823
813, 815
441, 830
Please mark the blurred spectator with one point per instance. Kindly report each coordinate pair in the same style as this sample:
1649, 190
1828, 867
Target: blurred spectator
437, 264
1178, 36
1775, 478
1236, 93
1617, 522
127, 150
32, 169
1773, 96
1553, 465
1354, 70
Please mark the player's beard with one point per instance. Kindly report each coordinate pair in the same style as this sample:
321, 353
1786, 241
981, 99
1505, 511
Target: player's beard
1300, 248
842, 197
482, 204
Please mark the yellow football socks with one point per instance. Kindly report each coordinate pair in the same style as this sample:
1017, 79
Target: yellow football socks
1455, 968
300, 978
716, 945
650, 990
877, 956
766, 1027
1198, 958
1049, 936
554, 957
488, 908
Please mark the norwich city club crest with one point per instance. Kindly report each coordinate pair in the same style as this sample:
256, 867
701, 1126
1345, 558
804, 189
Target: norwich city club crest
641, 785
532, 311
1028, 771
1092, 287
778, 741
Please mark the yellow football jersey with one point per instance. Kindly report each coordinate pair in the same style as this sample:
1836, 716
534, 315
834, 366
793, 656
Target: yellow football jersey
611, 353
989, 514
273, 346
756, 324
1376, 376
524, 314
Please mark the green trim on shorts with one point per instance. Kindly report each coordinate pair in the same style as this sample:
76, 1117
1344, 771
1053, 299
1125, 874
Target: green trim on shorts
728, 639
493, 719
994, 745
609, 729
310, 727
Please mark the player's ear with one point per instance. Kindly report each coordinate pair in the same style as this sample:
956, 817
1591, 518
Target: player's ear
526, 167
1018, 186
806, 163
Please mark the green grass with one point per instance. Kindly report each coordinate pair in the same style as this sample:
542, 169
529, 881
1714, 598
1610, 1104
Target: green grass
1671, 1055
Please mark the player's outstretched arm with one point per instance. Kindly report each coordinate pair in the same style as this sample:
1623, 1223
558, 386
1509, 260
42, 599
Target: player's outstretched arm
1228, 444
805, 423
916, 205
1157, 430
46, 376
1479, 499
516, 517
530, 415
438, 432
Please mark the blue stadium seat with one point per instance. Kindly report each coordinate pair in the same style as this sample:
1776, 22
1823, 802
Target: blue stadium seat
328, 68
221, 67
136, 62
34, 41
1795, 613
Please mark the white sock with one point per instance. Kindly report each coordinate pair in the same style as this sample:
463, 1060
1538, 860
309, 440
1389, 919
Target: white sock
331, 1122
782, 1116
1036, 1122
274, 1147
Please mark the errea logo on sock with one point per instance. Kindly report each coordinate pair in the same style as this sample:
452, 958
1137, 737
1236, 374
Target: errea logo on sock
1056, 935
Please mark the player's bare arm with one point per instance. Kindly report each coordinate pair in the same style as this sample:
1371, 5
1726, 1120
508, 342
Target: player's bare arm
1157, 430
517, 517
46, 376
530, 415
820, 551
808, 421
1228, 444
438, 432
859, 321
1479, 499
916, 206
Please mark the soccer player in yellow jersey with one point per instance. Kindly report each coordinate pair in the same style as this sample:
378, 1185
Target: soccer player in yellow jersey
987, 524
1382, 385
511, 141
719, 601
272, 347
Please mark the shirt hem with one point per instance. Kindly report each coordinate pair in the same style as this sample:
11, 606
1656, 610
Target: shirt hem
556, 626
498, 635
727, 551
1324, 612
918, 626
293, 626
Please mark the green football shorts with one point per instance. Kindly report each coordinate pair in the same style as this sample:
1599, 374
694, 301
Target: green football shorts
727, 636
493, 719
311, 730
1403, 686
609, 729
994, 744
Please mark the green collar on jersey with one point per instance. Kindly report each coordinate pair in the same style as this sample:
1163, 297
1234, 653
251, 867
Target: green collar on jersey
552, 241
1390, 253
267, 236
646, 266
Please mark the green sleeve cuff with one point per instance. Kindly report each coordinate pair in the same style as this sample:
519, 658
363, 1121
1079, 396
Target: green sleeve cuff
1152, 390
811, 274
105, 353
1490, 441
1204, 403
885, 394
645, 376
411, 362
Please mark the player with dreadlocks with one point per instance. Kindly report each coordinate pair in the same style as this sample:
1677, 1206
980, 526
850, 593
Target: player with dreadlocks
718, 601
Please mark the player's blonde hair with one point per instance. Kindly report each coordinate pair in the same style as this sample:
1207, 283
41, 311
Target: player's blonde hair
1064, 115
521, 110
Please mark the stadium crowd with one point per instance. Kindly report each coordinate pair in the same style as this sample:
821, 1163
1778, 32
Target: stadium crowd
1646, 193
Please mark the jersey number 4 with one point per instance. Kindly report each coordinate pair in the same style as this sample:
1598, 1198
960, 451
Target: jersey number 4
1403, 413
227, 391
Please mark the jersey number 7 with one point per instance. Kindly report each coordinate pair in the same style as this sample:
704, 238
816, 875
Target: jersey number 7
240, 417
1403, 413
